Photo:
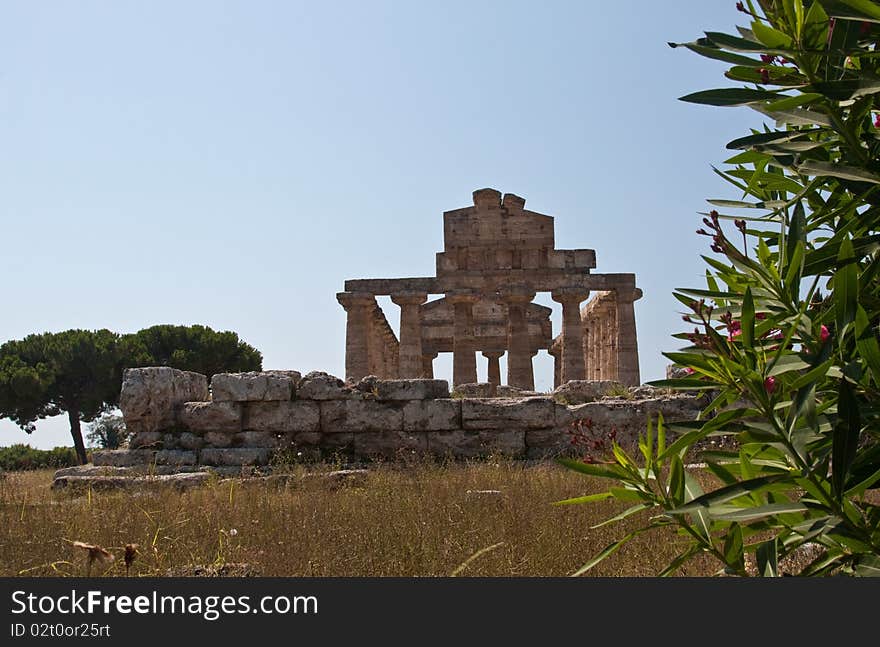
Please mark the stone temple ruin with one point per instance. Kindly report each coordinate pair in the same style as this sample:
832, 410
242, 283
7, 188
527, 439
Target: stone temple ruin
497, 255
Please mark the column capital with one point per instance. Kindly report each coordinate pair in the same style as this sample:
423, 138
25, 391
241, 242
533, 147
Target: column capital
409, 298
353, 299
568, 295
513, 294
462, 296
493, 354
628, 296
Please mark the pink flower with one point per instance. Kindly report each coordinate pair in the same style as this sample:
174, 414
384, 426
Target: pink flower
734, 330
824, 334
877, 120
770, 384
688, 370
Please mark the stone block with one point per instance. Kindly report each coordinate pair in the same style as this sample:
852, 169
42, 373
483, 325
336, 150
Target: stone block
505, 391
360, 415
338, 478
186, 440
155, 483
199, 417
336, 444
150, 396
219, 438
258, 439
235, 456
303, 446
507, 413
418, 389
581, 391
476, 444
93, 470
646, 392
318, 385
432, 415
627, 418
146, 439
389, 444
123, 457
254, 386
306, 439
175, 457
282, 417
474, 390
549, 443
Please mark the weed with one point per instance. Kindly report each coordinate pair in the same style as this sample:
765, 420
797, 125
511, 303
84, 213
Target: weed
399, 519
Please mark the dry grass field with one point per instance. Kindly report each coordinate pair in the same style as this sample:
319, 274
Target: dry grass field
490, 518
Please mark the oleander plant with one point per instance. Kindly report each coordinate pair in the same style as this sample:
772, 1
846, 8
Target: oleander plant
783, 339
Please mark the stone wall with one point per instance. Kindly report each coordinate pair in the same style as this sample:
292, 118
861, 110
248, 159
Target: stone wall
252, 419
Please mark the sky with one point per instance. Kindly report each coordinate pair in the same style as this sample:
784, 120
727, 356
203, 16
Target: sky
231, 164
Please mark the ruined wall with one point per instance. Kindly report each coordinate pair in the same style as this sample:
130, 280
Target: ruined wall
246, 419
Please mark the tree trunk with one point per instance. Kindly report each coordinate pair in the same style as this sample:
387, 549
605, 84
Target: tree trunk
76, 432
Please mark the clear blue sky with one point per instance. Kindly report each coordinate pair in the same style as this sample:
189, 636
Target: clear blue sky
232, 163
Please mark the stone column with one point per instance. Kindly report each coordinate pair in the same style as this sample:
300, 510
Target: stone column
375, 354
573, 364
428, 365
590, 346
611, 336
410, 356
586, 346
494, 373
627, 344
391, 355
557, 367
464, 360
519, 352
358, 306
606, 345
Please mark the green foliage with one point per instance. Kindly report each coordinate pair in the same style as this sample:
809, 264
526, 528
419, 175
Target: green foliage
24, 457
45, 374
108, 432
794, 372
194, 348
80, 371
74, 371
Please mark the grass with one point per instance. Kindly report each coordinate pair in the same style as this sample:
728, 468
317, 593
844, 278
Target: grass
619, 391
422, 519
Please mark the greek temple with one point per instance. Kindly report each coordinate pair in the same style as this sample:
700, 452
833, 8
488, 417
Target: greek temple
497, 256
